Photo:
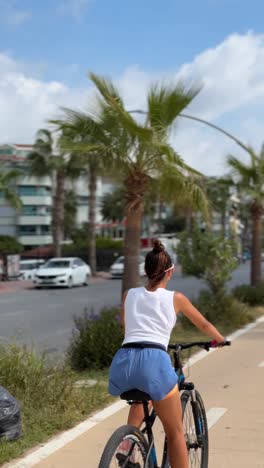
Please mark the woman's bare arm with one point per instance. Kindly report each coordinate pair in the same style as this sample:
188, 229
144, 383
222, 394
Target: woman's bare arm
122, 312
182, 304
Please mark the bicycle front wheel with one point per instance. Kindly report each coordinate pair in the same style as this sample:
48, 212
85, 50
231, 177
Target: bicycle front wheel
127, 447
195, 430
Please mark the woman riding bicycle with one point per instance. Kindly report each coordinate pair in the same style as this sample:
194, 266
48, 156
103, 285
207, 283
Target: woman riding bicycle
148, 316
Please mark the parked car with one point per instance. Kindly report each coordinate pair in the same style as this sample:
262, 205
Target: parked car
28, 268
117, 269
65, 272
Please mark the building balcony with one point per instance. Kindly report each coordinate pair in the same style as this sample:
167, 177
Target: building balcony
39, 200
35, 239
36, 181
34, 220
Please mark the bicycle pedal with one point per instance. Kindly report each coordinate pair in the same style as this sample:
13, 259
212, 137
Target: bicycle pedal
123, 458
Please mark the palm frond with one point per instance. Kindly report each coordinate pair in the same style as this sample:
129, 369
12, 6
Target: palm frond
185, 189
107, 90
8, 191
114, 101
165, 103
10, 175
244, 171
39, 164
13, 198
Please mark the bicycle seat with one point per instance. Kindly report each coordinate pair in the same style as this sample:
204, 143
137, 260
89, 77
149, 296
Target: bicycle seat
135, 395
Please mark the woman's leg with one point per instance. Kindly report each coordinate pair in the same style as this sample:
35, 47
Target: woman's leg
136, 414
170, 413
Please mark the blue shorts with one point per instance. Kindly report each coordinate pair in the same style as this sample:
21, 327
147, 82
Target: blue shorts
149, 370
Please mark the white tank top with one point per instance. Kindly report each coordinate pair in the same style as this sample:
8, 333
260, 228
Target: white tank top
149, 315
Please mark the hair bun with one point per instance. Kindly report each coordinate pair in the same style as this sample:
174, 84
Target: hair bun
158, 246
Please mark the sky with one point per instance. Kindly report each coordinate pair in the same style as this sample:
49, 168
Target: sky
47, 48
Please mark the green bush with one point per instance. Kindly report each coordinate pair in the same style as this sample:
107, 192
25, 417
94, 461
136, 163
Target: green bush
95, 340
251, 295
9, 245
221, 310
207, 256
109, 243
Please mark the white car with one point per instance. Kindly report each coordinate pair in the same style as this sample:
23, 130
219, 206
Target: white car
29, 268
65, 272
117, 269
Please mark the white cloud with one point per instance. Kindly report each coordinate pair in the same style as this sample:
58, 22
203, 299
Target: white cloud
11, 15
26, 103
233, 96
73, 8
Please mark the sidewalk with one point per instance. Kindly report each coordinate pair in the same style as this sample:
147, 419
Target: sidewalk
231, 381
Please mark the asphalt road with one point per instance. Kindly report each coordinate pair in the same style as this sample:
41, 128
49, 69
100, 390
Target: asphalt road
44, 318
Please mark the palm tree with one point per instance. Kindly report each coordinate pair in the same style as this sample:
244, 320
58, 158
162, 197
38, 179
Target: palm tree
8, 191
251, 182
84, 132
47, 159
142, 155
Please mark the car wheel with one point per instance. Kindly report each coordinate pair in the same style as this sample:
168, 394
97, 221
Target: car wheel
86, 280
70, 282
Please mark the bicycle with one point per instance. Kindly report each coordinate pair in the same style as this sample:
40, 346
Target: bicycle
139, 444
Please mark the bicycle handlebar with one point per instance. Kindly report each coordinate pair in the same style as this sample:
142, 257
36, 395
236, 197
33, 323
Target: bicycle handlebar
201, 344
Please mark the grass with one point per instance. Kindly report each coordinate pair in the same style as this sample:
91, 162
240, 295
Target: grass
50, 401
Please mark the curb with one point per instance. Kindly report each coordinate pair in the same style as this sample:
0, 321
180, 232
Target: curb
59, 441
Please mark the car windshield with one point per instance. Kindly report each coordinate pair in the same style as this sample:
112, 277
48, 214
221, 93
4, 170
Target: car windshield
27, 267
120, 260
58, 264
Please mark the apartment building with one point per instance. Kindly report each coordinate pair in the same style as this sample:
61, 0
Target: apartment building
32, 224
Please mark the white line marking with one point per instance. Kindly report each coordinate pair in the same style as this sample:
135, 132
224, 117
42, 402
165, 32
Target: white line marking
68, 436
261, 364
261, 319
213, 415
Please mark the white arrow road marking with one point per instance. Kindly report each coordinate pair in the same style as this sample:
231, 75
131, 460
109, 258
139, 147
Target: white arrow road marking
213, 415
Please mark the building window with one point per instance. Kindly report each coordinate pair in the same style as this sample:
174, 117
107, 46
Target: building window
29, 210
83, 200
44, 230
34, 210
27, 230
33, 191
5, 151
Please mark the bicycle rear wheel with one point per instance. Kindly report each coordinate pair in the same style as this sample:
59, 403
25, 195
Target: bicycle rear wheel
127, 447
197, 445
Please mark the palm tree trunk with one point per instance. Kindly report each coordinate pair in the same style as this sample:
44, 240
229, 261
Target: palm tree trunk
131, 248
136, 185
256, 213
92, 184
58, 212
